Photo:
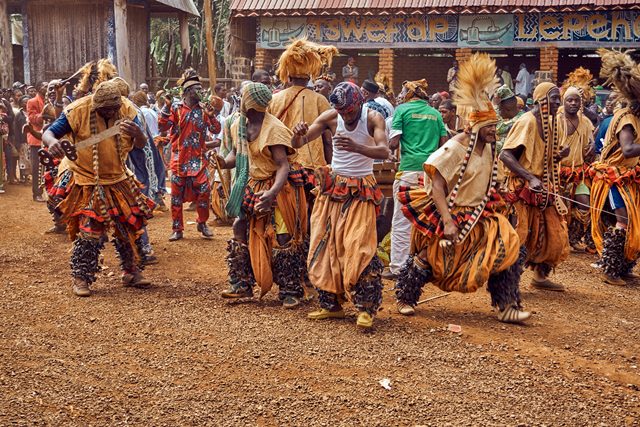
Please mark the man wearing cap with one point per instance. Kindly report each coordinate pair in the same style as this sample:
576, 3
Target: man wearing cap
418, 130
531, 153
508, 111
342, 259
102, 194
370, 91
188, 122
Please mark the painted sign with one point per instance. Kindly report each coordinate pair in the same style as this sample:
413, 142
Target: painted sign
585, 29
485, 30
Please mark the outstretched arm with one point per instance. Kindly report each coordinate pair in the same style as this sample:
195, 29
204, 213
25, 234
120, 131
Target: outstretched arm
303, 133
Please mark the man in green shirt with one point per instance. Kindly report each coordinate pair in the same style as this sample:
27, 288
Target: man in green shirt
418, 130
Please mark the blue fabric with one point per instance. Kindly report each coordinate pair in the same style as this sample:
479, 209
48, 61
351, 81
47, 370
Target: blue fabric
60, 127
615, 199
138, 161
602, 131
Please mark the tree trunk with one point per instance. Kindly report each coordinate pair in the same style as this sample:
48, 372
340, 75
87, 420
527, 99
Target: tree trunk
6, 61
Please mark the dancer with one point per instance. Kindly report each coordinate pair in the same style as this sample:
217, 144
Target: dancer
188, 122
102, 195
530, 154
576, 133
268, 202
461, 237
342, 259
616, 176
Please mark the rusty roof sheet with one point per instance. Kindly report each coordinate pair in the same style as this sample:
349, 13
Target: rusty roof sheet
346, 7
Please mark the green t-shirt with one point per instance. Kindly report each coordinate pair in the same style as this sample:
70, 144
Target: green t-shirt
422, 127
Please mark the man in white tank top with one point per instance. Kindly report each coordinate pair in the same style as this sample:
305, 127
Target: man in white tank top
342, 258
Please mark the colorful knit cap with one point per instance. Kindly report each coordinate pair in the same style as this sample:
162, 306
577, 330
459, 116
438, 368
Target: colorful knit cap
255, 96
346, 97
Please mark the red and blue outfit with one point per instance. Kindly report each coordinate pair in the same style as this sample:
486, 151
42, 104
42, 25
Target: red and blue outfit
188, 127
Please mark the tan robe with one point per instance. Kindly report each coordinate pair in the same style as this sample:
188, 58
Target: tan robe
543, 232
311, 156
290, 203
614, 169
491, 246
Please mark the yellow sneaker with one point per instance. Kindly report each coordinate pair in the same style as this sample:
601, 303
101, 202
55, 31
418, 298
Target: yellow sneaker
365, 320
323, 313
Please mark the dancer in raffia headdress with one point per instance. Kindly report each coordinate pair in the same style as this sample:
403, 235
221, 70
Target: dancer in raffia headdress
461, 237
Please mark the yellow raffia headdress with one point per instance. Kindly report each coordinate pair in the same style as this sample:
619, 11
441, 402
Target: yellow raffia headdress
476, 79
580, 78
304, 59
622, 72
93, 73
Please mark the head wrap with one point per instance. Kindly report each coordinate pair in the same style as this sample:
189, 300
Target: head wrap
385, 84
417, 88
140, 98
123, 86
304, 59
571, 90
520, 102
444, 94
541, 92
504, 93
107, 94
346, 97
476, 78
370, 86
255, 96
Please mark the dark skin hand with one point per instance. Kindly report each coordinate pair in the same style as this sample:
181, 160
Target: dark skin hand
303, 133
127, 127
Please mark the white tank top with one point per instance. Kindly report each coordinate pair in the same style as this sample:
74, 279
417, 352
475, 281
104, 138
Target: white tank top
353, 164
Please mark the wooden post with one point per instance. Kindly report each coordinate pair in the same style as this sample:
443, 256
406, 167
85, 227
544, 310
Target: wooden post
184, 39
211, 49
122, 41
6, 61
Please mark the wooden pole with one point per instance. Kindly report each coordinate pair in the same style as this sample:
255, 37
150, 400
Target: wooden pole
211, 49
122, 41
185, 43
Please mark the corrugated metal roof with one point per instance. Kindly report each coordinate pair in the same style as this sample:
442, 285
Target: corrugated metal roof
259, 7
183, 5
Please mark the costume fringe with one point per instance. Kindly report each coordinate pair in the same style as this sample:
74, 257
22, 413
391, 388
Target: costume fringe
289, 264
613, 260
367, 293
413, 275
84, 259
621, 71
504, 287
328, 301
126, 256
241, 277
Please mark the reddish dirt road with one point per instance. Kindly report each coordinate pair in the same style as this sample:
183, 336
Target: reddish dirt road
177, 354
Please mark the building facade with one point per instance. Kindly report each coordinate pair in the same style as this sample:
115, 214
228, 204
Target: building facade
412, 39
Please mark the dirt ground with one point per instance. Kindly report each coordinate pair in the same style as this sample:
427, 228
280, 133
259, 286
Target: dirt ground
177, 354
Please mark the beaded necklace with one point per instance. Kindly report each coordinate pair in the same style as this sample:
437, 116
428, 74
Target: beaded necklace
475, 215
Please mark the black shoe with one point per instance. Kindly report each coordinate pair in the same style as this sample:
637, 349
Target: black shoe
205, 230
177, 235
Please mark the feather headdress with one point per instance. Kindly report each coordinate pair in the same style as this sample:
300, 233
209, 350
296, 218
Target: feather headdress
580, 78
622, 72
304, 59
476, 79
93, 73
